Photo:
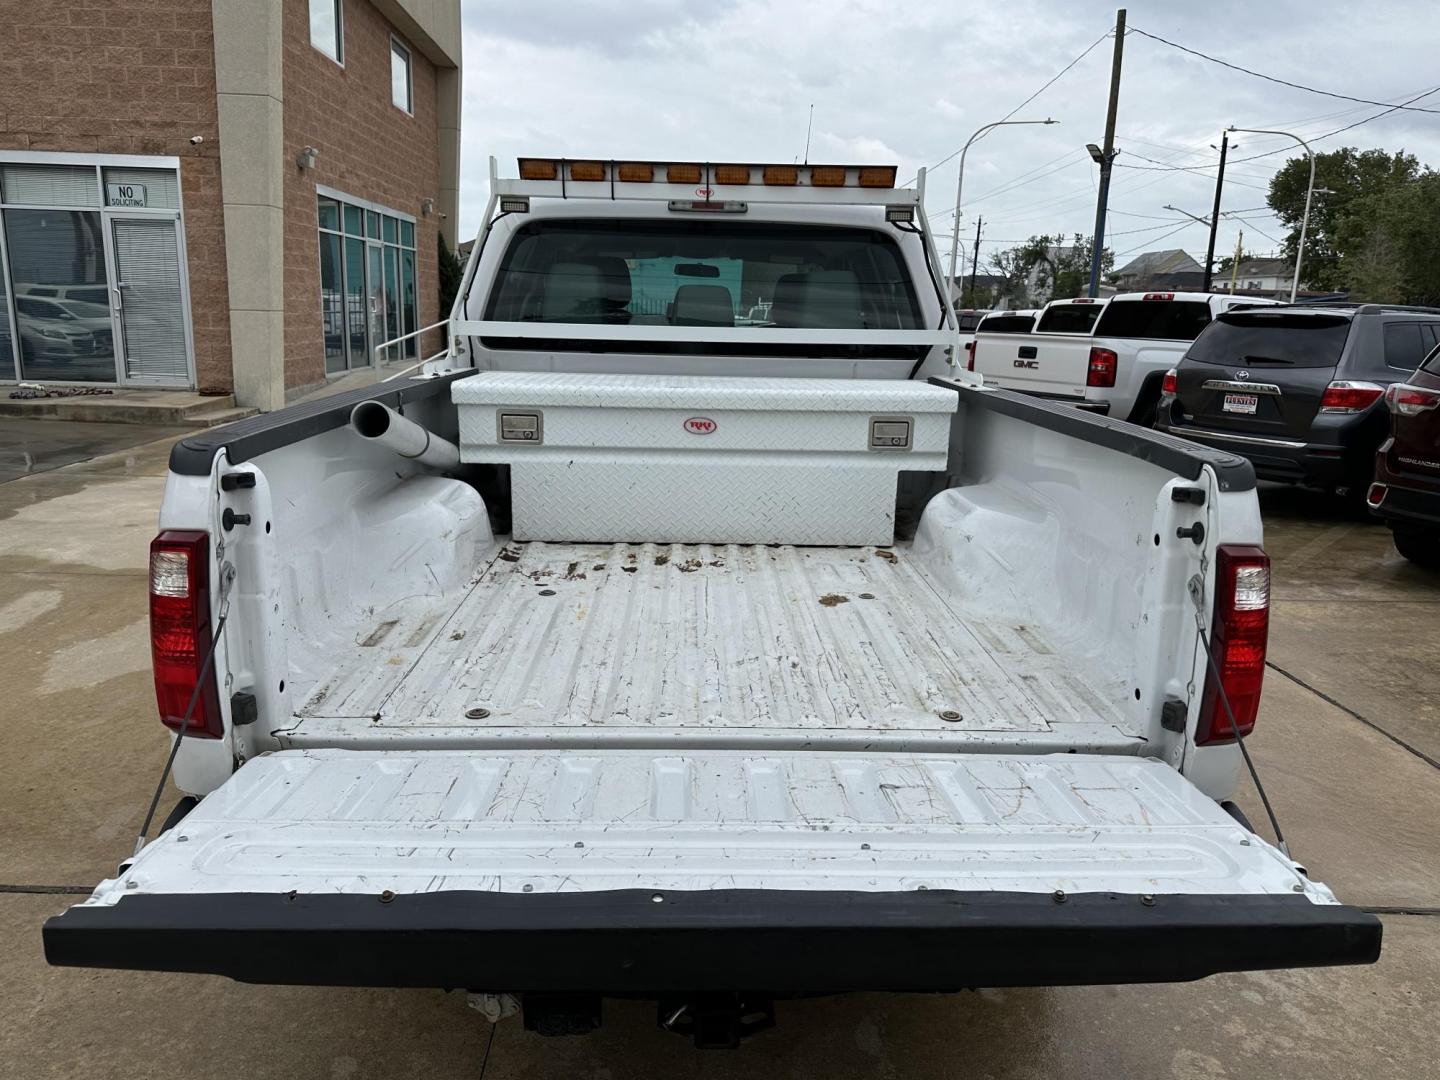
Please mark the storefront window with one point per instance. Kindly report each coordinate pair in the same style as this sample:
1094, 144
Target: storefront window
332, 302
368, 282
92, 282
61, 295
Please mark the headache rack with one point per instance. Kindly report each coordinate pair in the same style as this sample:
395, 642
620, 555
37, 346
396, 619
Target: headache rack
702, 188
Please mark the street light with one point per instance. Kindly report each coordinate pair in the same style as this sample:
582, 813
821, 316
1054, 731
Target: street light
960, 185
1192, 217
1309, 194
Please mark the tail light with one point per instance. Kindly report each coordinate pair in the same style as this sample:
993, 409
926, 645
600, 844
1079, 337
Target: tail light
1376, 495
1405, 400
180, 631
1239, 629
970, 360
1170, 385
1349, 397
1102, 367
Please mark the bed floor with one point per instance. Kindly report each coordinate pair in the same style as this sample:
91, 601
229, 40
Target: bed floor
564, 636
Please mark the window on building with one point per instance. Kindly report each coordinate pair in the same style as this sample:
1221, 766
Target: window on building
400, 83
327, 28
367, 282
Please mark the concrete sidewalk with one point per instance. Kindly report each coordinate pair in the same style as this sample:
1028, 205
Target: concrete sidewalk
83, 750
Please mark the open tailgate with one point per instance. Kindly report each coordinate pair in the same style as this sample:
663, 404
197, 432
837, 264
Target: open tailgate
632, 871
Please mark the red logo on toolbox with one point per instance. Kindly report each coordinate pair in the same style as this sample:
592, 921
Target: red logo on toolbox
700, 425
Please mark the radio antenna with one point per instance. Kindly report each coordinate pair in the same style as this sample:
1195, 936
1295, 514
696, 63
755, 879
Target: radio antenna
808, 124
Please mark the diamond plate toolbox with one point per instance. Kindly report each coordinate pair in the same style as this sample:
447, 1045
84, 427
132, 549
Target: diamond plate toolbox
701, 459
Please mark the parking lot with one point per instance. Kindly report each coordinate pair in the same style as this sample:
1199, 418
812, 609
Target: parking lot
1348, 743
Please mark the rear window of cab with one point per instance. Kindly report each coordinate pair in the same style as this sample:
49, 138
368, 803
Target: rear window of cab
1006, 324
1159, 320
1069, 319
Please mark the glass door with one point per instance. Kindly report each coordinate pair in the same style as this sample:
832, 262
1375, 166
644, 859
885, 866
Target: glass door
375, 291
150, 301
62, 295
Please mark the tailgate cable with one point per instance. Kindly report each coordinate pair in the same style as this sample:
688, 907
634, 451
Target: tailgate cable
227, 578
1197, 594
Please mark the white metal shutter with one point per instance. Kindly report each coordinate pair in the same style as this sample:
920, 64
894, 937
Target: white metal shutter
147, 260
50, 185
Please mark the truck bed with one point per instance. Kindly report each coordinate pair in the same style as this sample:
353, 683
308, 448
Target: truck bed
721, 645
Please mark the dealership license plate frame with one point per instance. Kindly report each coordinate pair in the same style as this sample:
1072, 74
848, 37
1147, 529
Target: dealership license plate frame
1240, 404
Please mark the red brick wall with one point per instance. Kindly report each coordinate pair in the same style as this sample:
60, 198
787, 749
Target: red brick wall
368, 148
128, 77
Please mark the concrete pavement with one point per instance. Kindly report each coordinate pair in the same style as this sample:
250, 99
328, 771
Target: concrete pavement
1346, 770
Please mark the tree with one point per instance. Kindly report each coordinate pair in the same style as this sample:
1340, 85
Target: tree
978, 298
1351, 176
1060, 269
1006, 266
450, 274
1386, 242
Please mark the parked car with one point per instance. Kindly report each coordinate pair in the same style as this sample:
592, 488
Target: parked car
95, 318
1107, 355
610, 668
1021, 321
1406, 489
1298, 389
50, 334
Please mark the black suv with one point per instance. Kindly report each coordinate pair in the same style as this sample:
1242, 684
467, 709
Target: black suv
1298, 389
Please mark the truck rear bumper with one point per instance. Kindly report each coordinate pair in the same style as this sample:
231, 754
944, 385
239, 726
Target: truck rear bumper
645, 942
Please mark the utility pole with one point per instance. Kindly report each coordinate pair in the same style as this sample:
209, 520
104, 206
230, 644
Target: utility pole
975, 260
1215, 213
1105, 157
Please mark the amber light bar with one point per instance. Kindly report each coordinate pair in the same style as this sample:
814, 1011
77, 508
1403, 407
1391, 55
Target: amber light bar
726, 173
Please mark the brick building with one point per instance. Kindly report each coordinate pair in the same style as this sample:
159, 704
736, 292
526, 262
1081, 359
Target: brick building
228, 195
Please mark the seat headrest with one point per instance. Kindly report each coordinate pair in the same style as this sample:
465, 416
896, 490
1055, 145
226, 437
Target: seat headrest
823, 299
574, 292
703, 305
615, 273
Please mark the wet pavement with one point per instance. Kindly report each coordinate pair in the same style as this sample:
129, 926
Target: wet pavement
34, 446
1347, 741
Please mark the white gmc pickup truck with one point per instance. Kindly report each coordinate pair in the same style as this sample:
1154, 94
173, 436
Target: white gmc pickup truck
638, 646
1104, 355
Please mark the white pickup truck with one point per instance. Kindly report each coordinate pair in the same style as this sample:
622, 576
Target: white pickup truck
630, 649
1104, 355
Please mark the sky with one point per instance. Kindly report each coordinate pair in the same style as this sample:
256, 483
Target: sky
907, 83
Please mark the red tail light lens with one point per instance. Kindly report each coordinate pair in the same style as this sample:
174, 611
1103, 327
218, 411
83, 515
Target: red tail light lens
1239, 631
180, 631
1349, 397
1406, 400
1102, 367
970, 360
1171, 383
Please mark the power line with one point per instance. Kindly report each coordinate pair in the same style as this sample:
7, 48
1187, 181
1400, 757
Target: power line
1053, 80
1151, 217
1347, 127
1149, 228
1018, 182
1160, 166
1293, 124
1257, 228
1156, 240
1268, 78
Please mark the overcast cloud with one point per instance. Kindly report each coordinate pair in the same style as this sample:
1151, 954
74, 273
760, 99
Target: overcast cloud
907, 82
